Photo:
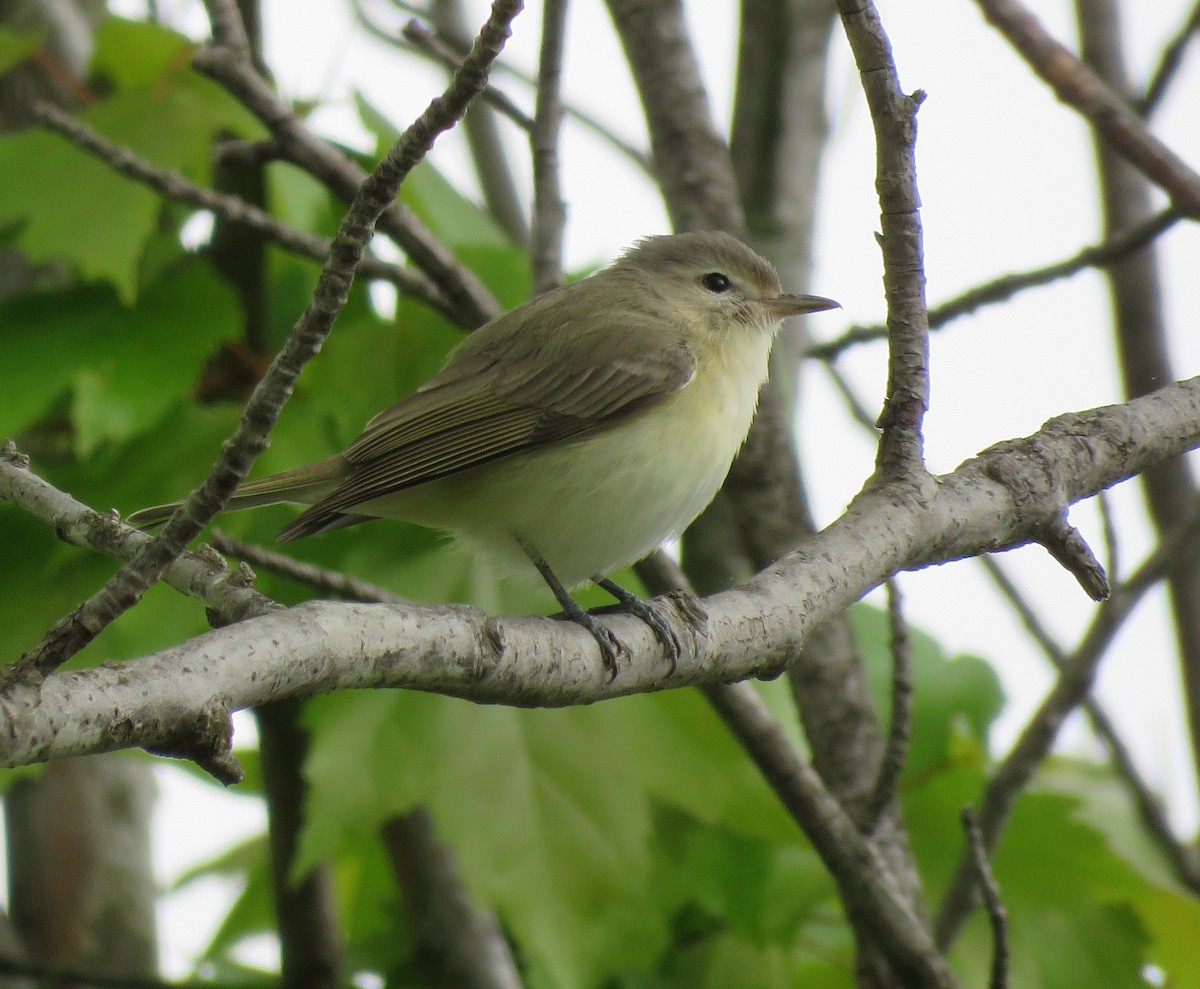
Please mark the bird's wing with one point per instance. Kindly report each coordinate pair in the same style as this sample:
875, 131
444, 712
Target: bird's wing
482, 407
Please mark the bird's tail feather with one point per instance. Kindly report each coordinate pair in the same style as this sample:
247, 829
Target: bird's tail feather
301, 485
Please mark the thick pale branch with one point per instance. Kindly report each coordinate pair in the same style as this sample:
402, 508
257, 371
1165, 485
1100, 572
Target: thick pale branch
1002, 498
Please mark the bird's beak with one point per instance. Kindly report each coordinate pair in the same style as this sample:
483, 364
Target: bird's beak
797, 305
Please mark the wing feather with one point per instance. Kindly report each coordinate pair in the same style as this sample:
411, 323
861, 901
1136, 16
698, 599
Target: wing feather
486, 404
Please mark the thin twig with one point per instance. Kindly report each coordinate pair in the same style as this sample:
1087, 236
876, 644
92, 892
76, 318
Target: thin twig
1107, 110
446, 50
1154, 817
1001, 289
472, 302
173, 185
425, 42
320, 579
228, 28
858, 411
989, 889
489, 153
1075, 680
895, 752
866, 883
893, 114
238, 454
549, 211
1169, 64
1112, 540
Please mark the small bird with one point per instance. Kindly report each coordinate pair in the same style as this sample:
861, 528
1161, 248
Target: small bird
575, 433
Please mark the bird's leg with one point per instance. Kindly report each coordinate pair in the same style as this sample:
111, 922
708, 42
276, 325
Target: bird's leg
645, 611
610, 645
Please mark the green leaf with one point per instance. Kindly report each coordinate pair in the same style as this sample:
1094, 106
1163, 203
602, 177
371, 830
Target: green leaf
1171, 920
138, 53
122, 368
1050, 859
679, 750
951, 694
74, 208
16, 46
563, 856
452, 217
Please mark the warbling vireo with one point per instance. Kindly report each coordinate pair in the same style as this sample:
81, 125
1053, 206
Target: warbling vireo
577, 432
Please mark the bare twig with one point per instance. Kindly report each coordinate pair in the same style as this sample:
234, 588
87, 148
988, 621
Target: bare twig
1107, 111
228, 28
426, 42
456, 943
893, 114
1107, 252
325, 581
1068, 547
1169, 63
312, 952
868, 889
472, 302
489, 154
1182, 858
126, 587
549, 211
175, 186
896, 750
989, 889
1075, 680
1112, 540
858, 411
445, 50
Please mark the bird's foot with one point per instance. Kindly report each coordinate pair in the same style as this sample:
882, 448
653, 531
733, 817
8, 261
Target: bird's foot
688, 605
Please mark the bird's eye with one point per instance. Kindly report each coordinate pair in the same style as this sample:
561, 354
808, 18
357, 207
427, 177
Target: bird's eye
716, 282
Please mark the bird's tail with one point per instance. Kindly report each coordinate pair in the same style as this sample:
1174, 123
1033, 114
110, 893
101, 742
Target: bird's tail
302, 485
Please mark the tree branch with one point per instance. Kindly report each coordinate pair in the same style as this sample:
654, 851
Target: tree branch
378, 190
869, 891
457, 945
997, 500
895, 753
472, 302
1114, 248
327, 582
1073, 685
894, 115
989, 890
1169, 63
1107, 111
175, 186
549, 210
